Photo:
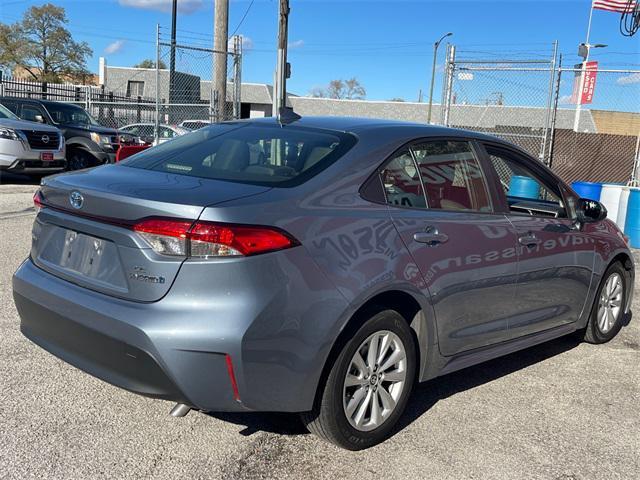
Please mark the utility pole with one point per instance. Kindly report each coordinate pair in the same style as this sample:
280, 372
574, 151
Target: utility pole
172, 57
282, 67
220, 46
433, 72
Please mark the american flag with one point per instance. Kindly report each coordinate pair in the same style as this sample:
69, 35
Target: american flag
620, 6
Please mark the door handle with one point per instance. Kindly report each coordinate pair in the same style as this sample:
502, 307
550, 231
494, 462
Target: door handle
430, 236
529, 240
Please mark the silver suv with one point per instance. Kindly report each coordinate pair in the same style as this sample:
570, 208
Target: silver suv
29, 147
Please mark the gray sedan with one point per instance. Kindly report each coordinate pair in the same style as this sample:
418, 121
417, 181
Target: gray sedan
322, 266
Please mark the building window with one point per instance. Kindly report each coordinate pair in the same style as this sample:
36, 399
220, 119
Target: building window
135, 88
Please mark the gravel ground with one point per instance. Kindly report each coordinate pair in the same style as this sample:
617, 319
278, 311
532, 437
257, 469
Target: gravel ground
557, 411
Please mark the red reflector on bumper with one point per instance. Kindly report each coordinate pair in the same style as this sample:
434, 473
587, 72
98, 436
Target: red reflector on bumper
232, 377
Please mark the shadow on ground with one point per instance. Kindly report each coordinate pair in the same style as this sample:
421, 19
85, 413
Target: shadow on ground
424, 396
7, 178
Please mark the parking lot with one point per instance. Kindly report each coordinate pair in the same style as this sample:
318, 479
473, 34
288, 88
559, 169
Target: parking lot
562, 410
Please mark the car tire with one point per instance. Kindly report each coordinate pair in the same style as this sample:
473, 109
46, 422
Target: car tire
362, 399
608, 308
77, 159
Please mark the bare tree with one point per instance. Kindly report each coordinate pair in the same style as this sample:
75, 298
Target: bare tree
41, 45
354, 90
350, 89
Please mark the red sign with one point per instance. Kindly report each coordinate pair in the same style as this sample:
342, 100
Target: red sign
589, 83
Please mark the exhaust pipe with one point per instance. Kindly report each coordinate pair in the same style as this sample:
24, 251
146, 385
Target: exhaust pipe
179, 410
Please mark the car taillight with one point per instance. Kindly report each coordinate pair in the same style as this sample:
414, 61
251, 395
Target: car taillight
37, 201
210, 239
168, 237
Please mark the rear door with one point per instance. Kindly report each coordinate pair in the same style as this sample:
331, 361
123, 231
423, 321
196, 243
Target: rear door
555, 258
443, 207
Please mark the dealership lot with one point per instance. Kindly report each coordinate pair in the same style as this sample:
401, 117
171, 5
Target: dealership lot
560, 411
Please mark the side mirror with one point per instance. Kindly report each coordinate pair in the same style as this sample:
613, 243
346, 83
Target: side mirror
590, 211
39, 118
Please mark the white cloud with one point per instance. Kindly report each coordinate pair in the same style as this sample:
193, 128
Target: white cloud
296, 44
247, 43
184, 6
114, 47
629, 79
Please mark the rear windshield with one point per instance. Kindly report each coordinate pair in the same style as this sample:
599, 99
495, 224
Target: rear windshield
248, 153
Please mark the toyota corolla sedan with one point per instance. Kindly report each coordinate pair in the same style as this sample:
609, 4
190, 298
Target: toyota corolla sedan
321, 266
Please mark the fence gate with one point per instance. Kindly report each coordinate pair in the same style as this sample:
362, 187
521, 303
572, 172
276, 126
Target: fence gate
478, 88
187, 91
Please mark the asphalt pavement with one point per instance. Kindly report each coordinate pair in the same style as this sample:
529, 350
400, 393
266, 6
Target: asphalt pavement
563, 411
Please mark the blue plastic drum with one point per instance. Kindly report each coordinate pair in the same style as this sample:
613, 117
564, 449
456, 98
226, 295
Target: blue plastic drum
588, 190
524, 187
632, 222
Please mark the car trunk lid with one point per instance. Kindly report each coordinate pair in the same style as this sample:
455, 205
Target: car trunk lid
85, 232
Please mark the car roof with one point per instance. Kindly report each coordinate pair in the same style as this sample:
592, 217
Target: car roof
361, 124
35, 101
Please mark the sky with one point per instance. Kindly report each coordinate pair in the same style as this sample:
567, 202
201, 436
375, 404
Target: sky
386, 45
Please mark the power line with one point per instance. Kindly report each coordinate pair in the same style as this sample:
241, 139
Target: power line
242, 19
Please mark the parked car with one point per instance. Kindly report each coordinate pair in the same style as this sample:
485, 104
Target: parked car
321, 266
195, 124
88, 143
145, 131
27, 147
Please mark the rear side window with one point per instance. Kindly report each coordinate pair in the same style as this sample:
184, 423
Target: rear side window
401, 182
451, 176
247, 153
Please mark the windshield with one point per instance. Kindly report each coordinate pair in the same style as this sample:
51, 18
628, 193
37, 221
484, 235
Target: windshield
67, 114
6, 113
248, 153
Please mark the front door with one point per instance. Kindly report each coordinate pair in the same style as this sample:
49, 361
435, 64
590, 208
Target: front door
443, 209
555, 259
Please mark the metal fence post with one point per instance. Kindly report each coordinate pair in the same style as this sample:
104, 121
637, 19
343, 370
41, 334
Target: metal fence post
156, 124
554, 113
449, 89
547, 115
237, 77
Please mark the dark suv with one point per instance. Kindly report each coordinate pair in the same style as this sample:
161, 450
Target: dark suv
88, 142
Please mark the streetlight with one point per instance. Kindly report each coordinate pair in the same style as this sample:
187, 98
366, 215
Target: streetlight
433, 72
583, 50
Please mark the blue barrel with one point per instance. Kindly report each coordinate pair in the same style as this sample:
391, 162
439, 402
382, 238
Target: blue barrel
524, 187
632, 221
588, 190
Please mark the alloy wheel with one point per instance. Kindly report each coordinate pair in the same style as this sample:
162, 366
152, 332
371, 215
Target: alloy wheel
375, 380
610, 303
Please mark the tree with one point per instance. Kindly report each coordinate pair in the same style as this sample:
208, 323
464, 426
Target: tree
41, 46
148, 63
396, 99
350, 89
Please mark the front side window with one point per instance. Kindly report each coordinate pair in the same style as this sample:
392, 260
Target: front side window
248, 153
451, 176
526, 192
31, 113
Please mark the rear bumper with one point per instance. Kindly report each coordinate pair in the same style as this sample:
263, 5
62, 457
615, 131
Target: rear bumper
176, 348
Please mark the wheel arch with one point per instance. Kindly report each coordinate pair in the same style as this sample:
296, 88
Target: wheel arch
409, 307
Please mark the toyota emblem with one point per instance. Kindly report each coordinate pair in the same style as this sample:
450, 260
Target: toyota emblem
45, 139
76, 200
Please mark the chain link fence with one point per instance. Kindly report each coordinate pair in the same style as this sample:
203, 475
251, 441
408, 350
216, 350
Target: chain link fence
533, 103
184, 90
154, 96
